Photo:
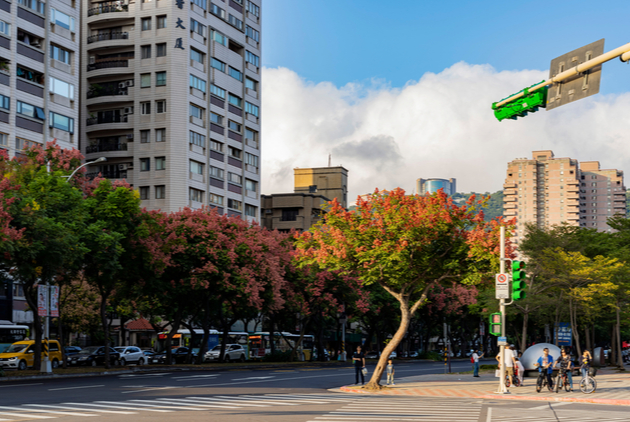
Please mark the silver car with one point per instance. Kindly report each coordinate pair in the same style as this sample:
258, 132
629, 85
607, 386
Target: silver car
131, 354
233, 352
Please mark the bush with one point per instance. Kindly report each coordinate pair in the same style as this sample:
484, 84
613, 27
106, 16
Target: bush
430, 355
278, 356
489, 367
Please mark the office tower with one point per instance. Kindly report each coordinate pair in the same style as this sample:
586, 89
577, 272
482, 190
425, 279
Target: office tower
171, 97
424, 186
39, 73
548, 191
331, 182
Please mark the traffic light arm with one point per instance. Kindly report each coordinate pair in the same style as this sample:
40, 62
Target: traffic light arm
623, 52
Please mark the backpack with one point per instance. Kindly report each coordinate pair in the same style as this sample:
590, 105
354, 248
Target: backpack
472, 359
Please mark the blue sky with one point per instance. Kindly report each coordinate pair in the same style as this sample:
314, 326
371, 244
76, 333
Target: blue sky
344, 41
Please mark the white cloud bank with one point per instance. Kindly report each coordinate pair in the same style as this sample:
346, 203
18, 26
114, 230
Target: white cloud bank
439, 126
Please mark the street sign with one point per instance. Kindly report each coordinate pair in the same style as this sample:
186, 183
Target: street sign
502, 341
579, 86
563, 330
502, 286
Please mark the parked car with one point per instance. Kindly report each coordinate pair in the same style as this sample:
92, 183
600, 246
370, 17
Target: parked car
233, 352
71, 350
178, 355
413, 354
21, 355
93, 356
131, 354
148, 354
326, 355
372, 355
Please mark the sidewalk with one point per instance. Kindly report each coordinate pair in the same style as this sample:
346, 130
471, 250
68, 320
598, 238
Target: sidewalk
612, 389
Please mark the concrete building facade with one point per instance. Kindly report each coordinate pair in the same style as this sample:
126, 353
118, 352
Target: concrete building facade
39, 73
292, 211
548, 191
171, 97
331, 182
424, 186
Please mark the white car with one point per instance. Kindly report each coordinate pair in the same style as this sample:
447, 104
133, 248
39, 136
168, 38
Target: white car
233, 352
131, 354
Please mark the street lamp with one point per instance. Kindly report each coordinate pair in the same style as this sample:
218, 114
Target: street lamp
98, 160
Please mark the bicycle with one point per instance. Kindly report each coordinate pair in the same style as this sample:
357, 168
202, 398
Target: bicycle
562, 380
588, 384
517, 381
542, 381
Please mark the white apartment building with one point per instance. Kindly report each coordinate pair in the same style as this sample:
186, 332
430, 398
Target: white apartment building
170, 95
39, 73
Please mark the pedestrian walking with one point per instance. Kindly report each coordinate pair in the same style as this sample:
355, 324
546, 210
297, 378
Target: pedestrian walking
358, 358
390, 373
475, 358
521, 368
509, 362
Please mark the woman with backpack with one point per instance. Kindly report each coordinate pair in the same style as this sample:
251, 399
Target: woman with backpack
474, 359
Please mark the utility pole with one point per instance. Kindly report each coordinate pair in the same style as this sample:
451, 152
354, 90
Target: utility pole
502, 388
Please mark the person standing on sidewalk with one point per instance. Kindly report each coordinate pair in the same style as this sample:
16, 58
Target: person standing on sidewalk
476, 356
565, 366
509, 363
544, 364
359, 363
585, 363
390, 373
521, 368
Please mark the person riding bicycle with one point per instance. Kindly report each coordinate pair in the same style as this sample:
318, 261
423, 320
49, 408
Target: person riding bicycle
565, 366
585, 363
545, 363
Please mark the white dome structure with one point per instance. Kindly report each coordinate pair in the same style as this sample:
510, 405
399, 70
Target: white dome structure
531, 355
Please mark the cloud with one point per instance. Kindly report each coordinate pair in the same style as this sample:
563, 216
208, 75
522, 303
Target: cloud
438, 126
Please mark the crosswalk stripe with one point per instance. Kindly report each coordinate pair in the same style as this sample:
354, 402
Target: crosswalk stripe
116, 407
167, 401
51, 411
161, 406
256, 399
22, 415
240, 403
47, 406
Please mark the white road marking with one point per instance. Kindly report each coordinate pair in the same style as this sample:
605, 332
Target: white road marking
142, 375
116, 407
257, 399
240, 403
489, 417
546, 406
74, 388
146, 405
23, 415
251, 378
148, 389
167, 401
194, 376
20, 385
47, 406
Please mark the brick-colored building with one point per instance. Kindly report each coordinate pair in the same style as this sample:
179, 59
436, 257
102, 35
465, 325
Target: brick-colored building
332, 182
548, 191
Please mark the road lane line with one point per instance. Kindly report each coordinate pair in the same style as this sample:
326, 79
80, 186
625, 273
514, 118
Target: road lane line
195, 376
20, 385
79, 409
148, 389
116, 407
74, 388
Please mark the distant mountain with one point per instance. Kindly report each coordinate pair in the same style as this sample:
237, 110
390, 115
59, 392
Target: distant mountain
494, 207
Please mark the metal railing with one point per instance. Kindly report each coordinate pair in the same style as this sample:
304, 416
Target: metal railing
101, 91
108, 8
106, 147
108, 36
116, 118
108, 64
120, 174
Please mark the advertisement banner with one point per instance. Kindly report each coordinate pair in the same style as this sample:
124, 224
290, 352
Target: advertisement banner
54, 301
42, 300
564, 334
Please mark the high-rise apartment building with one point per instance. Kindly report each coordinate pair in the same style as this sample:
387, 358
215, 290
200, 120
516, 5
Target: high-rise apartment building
331, 182
548, 191
39, 73
171, 97
424, 186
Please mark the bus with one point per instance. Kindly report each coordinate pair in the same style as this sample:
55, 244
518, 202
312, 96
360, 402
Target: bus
260, 344
183, 337
11, 333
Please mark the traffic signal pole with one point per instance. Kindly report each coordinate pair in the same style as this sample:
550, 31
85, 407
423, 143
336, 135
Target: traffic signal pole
502, 388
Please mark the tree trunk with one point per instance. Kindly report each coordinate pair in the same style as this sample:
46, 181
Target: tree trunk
224, 339
31, 299
574, 327
613, 345
105, 327
618, 336
587, 338
523, 343
272, 330
169, 337
205, 325
191, 329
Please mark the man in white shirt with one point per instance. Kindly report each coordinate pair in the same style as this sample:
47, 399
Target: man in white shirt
509, 363
476, 356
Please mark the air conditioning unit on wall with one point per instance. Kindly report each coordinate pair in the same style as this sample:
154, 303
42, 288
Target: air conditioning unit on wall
128, 110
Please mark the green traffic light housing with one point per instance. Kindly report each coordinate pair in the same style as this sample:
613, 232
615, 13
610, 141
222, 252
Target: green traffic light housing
495, 324
518, 280
530, 102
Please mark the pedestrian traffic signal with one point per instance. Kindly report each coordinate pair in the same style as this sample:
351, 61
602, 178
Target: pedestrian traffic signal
495, 324
529, 102
518, 280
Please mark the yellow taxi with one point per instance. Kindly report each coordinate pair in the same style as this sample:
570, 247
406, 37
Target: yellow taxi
21, 355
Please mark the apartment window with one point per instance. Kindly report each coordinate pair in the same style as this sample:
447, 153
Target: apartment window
144, 192
196, 167
197, 83
201, 3
61, 88
217, 64
252, 58
251, 109
235, 178
216, 118
219, 38
145, 136
196, 195
251, 159
145, 80
5, 28
216, 10
251, 84
160, 135
251, 185
197, 139
235, 205
234, 126
35, 5
253, 9
216, 146
160, 78
59, 54
21, 144
160, 50
251, 135
215, 90
145, 24
252, 33
29, 110
217, 173
234, 21
235, 74
197, 56
61, 122
195, 111
160, 106
216, 199
235, 101
145, 108
160, 163
250, 210
161, 22
145, 51
61, 19
197, 27
145, 164
235, 152
289, 214
160, 192
4, 139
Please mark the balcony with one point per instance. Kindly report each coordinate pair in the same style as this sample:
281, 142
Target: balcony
108, 64
108, 8
105, 147
106, 118
108, 174
101, 90
107, 37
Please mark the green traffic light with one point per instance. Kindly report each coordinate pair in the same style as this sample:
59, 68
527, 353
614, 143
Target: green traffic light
518, 280
530, 102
